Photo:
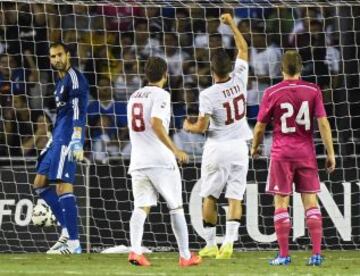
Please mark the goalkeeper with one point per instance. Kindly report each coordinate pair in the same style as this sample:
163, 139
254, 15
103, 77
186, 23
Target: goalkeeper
56, 163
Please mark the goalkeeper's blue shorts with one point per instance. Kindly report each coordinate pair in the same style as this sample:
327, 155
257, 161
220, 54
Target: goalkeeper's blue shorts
55, 164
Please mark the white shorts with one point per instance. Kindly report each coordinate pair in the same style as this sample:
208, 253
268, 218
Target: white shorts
147, 184
224, 165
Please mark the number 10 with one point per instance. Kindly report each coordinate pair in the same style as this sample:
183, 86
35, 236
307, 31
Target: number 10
239, 112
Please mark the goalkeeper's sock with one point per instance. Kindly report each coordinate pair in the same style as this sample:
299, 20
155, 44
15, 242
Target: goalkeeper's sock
49, 195
179, 226
210, 233
64, 232
68, 204
137, 229
282, 229
232, 231
314, 224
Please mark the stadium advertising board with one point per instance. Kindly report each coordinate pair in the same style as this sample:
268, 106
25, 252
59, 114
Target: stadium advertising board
111, 203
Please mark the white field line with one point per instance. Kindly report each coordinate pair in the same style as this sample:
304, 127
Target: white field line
70, 272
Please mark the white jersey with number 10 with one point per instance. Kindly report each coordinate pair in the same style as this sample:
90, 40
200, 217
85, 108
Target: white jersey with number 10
147, 151
226, 104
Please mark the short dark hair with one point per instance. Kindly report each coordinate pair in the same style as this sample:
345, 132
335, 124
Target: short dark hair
61, 44
221, 63
291, 63
155, 69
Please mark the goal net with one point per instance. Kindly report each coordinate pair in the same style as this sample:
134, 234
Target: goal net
110, 42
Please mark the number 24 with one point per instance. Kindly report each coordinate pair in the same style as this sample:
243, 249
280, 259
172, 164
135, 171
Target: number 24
302, 118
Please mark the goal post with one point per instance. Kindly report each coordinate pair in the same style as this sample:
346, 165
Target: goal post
110, 42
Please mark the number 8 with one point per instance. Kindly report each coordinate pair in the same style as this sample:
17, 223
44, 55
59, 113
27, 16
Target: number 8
137, 122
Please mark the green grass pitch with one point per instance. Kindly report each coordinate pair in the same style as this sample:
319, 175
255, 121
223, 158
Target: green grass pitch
165, 264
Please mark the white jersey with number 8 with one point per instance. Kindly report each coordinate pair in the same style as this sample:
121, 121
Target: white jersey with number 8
226, 104
147, 151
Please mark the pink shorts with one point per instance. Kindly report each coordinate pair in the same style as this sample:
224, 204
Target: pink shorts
283, 173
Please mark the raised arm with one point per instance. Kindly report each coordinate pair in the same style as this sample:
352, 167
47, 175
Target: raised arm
240, 41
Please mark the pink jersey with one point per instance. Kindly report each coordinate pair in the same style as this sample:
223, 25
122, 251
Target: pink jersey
292, 107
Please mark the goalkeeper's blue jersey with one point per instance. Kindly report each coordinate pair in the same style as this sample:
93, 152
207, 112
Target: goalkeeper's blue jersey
71, 96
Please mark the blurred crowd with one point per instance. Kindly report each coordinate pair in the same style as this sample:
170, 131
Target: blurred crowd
110, 45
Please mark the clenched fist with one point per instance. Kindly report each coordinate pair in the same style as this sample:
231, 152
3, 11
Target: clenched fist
226, 18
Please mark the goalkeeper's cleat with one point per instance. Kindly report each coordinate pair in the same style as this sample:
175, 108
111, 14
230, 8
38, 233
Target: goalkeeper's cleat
66, 250
60, 243
315, 260
278, 260
209, 251
139, 260
225, 251
194, 260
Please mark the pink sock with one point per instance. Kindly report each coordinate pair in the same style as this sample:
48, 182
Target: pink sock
314, 224
282, 229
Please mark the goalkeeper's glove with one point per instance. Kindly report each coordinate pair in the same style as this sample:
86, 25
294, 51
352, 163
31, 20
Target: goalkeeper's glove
76, 146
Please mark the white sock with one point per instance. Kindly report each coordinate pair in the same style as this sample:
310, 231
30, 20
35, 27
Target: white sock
179, 226
210, 236
64, 232
137, 229
232, 231
73, 243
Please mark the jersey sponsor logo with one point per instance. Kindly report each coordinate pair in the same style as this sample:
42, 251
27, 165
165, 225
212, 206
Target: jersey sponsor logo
67, 175
163, 105
60, 104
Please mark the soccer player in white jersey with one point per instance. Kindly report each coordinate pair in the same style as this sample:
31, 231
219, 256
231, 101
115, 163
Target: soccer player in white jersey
153, 165
225, 158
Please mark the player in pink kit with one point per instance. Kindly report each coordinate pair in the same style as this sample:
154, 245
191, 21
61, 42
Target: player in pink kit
291, 106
